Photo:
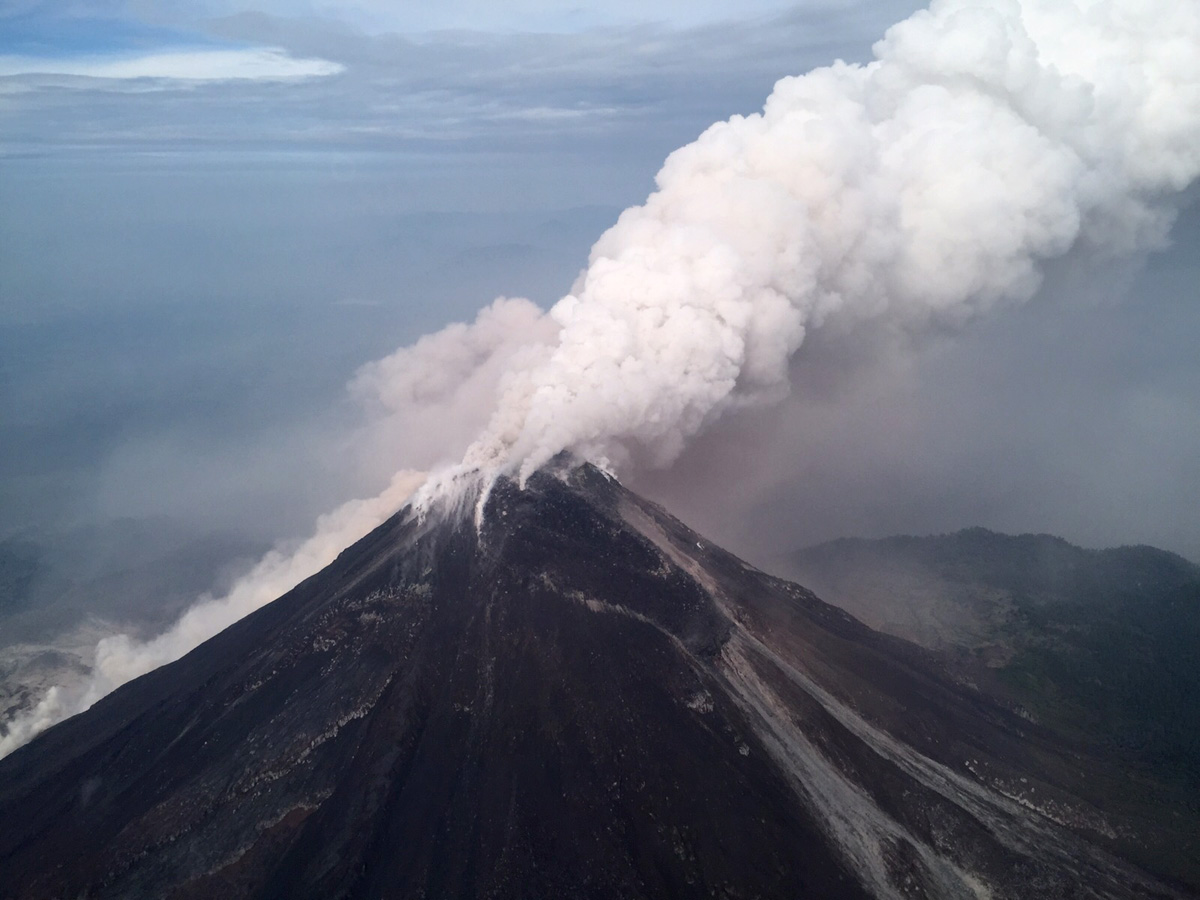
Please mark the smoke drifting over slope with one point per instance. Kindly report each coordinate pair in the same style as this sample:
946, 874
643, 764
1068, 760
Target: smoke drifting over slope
928, 185
119, 658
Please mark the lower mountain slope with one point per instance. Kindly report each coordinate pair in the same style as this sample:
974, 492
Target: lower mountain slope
1103, 646
580, 697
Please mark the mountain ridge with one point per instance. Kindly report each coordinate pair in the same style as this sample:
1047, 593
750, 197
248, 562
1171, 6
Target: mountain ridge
582, 697
1099, 645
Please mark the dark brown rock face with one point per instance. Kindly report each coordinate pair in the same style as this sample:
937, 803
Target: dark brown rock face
582, 698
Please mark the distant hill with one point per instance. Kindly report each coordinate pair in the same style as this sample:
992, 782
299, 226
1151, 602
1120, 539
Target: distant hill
1102, 645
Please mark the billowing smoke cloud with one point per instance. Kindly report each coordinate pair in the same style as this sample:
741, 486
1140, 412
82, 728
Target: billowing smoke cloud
928, 185
430, 400
931, 183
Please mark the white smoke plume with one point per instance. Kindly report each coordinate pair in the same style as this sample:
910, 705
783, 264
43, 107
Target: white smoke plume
430, 400
985, 139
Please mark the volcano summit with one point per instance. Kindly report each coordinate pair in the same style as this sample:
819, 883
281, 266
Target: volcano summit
579, 698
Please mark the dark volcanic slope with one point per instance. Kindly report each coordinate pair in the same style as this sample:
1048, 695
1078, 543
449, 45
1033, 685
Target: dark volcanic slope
585, 699
1101, 645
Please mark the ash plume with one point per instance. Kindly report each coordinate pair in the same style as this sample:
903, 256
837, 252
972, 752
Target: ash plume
926, 186
929, 184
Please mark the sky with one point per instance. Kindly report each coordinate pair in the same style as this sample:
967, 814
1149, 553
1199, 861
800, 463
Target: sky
213, 214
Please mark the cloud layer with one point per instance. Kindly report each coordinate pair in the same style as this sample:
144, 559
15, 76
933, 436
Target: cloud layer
254, 63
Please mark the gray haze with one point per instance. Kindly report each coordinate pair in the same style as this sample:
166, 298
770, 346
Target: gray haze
191, 272
1077, 414
188, 283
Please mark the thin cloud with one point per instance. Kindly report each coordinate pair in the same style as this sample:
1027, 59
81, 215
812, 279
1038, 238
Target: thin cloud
251, 63
622, 92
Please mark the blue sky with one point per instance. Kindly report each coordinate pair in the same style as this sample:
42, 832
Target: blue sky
38, 32
100, 27
72, 31
394, 83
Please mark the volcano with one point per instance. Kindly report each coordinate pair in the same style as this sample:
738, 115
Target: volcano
572, 695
